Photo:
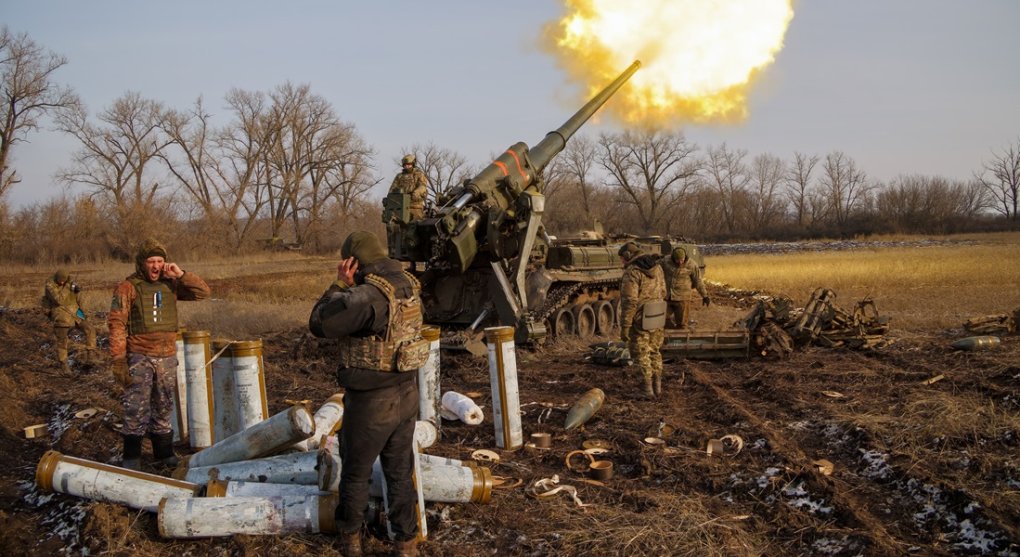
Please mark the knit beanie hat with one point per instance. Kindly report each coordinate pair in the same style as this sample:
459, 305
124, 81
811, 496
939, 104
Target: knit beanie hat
364, 247
149, 248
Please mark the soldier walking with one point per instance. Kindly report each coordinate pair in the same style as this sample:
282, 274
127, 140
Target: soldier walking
143, 345
62, 299
374, 309
643, 313
682, 274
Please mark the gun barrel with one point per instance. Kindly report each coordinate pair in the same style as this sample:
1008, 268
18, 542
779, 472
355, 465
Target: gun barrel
556, 140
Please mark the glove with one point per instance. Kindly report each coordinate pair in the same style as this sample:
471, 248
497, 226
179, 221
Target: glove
119, 368
705, 301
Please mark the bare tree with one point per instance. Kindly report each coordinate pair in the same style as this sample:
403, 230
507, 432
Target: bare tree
726, 173
797, 185
1003, 186
115, 160
845, 185
444, 169
576, 162
27, 92
766, 206
652, 170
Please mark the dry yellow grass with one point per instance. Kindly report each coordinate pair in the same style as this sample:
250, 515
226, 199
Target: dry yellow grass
919, 287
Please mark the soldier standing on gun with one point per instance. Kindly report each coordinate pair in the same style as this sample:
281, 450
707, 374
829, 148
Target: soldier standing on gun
682, 274
643, 313
62, 300
413, 182
374, 309
143, 345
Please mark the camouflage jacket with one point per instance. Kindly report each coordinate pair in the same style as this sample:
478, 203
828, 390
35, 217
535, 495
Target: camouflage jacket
63, 304
412, 183
680, 279
162, 344
642, 282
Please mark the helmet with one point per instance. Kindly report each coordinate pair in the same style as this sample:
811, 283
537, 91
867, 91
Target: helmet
629, 251
679, 254
408, 159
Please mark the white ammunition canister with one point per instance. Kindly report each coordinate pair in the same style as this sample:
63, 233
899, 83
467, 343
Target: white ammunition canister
429, 396
205, 517
199, 388
459, 407
225, 420
328, 419
264, 438
433, 459
291, 468
179, 411
506, 402
103, 482
442, 483
425, 434
234, 488
249, 383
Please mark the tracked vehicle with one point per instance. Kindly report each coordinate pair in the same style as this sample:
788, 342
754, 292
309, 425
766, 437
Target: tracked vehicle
484, 258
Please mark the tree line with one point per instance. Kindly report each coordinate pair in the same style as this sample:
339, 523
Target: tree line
285, 169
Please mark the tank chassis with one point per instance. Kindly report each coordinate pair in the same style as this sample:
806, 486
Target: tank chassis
474, 253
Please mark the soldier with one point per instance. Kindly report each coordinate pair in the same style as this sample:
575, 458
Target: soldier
143, 345
682, 274
411, 181
62, 299
375, 311
643, 313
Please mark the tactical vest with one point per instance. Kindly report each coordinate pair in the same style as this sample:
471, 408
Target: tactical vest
154, 309
402, 348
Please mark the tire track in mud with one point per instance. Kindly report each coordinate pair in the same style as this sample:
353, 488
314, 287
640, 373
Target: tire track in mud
877, 532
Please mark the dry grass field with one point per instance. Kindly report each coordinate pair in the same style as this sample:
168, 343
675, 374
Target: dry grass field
921, 288
920, 466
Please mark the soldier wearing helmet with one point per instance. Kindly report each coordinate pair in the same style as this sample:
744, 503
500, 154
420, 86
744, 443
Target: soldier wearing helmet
642, 313
61, 298
412, 182
682, 274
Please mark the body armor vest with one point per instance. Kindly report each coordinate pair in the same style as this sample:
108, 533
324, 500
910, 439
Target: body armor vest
154, 309
402, 348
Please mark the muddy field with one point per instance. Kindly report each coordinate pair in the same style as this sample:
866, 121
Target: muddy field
917, 467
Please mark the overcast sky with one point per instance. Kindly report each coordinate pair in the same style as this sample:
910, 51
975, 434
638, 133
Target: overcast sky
901, 86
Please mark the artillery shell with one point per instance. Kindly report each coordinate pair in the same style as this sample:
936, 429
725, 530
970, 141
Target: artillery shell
976, 343
584, 408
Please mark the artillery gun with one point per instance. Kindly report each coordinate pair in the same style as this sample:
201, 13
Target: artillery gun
484, 258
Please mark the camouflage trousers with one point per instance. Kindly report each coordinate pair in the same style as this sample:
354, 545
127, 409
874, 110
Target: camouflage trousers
645, 349
678, 312
149, 399
61, 342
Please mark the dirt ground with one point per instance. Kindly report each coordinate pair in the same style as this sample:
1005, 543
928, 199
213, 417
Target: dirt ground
918, 467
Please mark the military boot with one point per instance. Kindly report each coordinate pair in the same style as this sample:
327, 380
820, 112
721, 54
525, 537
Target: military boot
658, 384
648, 392
132, 452
350, 544
406, 548
163, 449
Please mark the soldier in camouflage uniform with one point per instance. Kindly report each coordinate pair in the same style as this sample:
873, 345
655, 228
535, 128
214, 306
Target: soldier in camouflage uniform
143, 345
642, 283
374, 309
413, 182
682, 274
61, 298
